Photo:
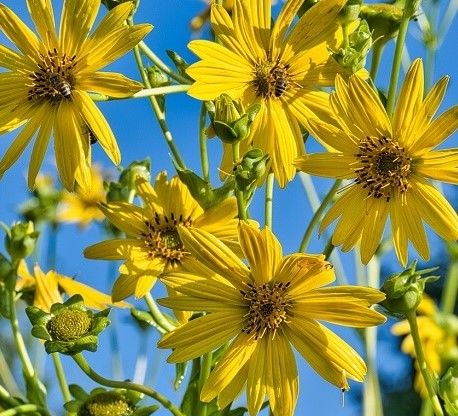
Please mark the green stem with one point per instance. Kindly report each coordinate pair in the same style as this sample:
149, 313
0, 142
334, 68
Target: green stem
157, 314
241, 206
397, 60
426, 408
145, 92
203, 144
6, 376
161, 65
346, 39
377, 52
205, 369
24, 408
6, 397
61, 377
450, 290
269, 199
84, 365
160, 115
420, 357
328, 249
317, 216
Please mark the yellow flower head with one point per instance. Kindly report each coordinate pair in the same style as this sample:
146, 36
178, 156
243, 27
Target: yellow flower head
389, 161
83, 206
263, 311
48, 287
45, 87
278, 67
153, 244
436, 342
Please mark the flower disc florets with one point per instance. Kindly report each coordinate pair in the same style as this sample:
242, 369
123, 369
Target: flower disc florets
69, 328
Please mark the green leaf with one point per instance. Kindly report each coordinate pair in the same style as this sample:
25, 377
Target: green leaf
180, 372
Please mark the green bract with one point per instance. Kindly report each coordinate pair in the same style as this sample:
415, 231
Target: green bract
69, 327
102, 402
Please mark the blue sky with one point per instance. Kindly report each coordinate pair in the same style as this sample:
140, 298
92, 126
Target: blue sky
139, 136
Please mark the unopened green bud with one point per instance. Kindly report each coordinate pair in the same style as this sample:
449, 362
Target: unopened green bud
249, 171
448, 390
404, 291
20, 240
137, 169
229, 120
69, 327
383, 20
350, 11
156, 77
353, 57
180, 64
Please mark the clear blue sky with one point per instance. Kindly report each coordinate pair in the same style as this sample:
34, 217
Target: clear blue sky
139, 136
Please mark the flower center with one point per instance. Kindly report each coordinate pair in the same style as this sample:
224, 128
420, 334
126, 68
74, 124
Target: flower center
162, 238
271, 80
69, 325
384, 167
107, 404
267, 308
53, 80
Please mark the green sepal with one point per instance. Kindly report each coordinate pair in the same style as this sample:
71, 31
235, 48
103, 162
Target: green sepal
36, 391
146, 411
448, 390
180, 373
77, 392
40, 331
179, 63
37, 316
72, 406
136, 169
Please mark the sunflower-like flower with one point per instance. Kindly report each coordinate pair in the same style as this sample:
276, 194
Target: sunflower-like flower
389, 161
153, 244
278, 67
262, 311
439, 343
46, 85
83, 206
43, 290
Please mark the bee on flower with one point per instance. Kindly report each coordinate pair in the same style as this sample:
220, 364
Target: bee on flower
46, 83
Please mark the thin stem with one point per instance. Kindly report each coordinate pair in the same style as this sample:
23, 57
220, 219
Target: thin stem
157, 314
6, 397
84, 365
450, 290
397, 61
328, 249
145, 92
61, 377
317, 216
238, 193
205, 369
346, 39
269, 199
7, 377
203, 143
24, 408
426, 408
160, 115
377, 52
160, 64
412, 319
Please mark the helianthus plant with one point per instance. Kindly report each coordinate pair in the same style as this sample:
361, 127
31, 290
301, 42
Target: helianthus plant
272, 79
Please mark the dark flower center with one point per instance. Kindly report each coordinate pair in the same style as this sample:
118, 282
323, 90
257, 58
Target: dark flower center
271, 79
384, 167
268, 307
162, 238
53, 80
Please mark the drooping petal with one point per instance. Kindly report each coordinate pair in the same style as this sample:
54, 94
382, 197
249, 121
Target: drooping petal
108, 83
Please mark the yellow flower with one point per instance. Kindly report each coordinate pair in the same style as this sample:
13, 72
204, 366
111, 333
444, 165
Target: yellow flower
48, 287
436, 342
389, 162
45, 87
153, 244
262, 311
280, 68
83, 206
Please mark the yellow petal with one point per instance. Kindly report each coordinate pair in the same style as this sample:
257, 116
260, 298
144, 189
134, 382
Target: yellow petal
116, 249
123, 287
127, 217
229, 393
42, 15
330, 165
259, 376
441, 165
111, 84
46, 290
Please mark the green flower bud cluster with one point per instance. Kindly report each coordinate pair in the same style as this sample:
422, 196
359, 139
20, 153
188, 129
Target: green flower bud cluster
69, 327
353, 56
404, 291
102, 402
20, 240
383, 20
229, 121
448, 390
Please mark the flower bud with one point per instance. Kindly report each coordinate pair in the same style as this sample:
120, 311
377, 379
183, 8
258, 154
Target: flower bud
448, 390
137, 169
69, 327
350, 12
229, 121
20, 240
383, 20
156, 77
404, 291
353, 57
